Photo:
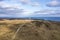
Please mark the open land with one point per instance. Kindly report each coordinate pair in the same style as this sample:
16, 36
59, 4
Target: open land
29, 30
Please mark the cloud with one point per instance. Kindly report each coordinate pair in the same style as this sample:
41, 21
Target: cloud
30, 2
5, 5
1, 0
54, 3
43, 12
16, 10
35, 4
25, 1
47, 13
7, 9
7, 12
10, 10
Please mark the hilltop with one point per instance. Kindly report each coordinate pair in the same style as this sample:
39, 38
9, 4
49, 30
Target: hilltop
29, 30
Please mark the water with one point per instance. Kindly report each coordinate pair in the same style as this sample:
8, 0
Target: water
44, 18
48, 18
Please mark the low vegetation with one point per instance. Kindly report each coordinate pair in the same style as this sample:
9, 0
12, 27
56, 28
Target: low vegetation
29, 30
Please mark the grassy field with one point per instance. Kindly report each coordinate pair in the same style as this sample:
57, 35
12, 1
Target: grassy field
29, 30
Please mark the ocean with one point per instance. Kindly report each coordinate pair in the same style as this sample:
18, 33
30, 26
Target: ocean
48, 18
34, 18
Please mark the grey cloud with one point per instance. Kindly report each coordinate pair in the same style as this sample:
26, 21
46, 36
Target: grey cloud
47, 13
10, 12
30, 2
54, 3
50, 5
1, 0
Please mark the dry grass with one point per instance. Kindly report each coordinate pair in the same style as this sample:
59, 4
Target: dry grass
31, 30
15, 21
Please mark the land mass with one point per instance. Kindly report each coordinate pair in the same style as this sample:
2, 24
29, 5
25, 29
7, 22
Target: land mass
29, 30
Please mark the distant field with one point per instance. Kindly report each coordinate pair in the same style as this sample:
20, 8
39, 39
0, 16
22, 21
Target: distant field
29, 30
15, 21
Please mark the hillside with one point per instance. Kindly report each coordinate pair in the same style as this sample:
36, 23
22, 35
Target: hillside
29, 30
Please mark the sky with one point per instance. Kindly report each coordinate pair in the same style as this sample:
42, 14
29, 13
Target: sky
29, 8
